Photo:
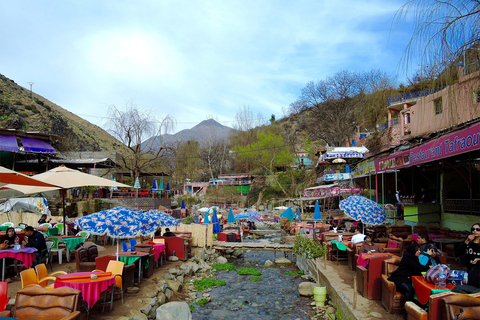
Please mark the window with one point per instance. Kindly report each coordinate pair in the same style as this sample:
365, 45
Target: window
438, 105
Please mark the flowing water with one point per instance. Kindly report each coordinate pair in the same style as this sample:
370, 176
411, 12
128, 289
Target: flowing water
274, 297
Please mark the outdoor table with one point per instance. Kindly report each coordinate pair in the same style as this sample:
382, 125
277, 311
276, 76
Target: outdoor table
129, 258
48, 231
158, 248
431, 237
424, 289
71, 242
25, 254
91, 288
330, 235
344, 245
441, 242
364, 258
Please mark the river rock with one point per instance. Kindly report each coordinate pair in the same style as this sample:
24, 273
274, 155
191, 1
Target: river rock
133, 290
161, 298
282, 261
173, 258
174, 311
268, 263
221, 260
137, 315
174, 285
173, 271
376, 315
306, 288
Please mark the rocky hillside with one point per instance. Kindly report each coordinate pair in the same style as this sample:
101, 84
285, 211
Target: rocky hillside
21, 112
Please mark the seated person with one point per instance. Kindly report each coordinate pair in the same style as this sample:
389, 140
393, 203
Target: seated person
10, 237
430, 256
43, 219
358, 236
409, 266
368, 245
168, 233
36, 240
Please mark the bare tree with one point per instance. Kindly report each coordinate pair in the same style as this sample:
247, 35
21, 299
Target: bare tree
133, 126
443, 31
330, 105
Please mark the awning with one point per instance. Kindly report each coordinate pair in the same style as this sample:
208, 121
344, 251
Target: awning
35, 145
8, 143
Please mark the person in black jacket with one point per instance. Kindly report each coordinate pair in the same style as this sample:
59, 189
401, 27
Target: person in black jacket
36, 240
470, 248
169, 233
409, 266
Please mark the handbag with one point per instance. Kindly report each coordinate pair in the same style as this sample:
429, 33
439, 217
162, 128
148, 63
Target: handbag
434, 271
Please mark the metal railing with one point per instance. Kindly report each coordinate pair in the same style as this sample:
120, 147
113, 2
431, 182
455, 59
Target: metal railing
413, 95
462, 206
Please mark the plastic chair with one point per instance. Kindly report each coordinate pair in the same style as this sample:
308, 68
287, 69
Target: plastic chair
46, 225
53, 231
3, 296
84, 234
28, 277
59, 226
18, 229
8, 224
126, 248
116, 268
56, 248
23, 225
43, 276
45, 253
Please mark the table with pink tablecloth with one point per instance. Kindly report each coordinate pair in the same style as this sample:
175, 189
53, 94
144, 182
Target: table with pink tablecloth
363, 258
158, 249
91, 288
25, 254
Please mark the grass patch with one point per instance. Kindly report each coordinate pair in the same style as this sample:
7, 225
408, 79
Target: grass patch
223, 266
252, 271
293, 274
192, 308
202, 301
255, 278
206, 283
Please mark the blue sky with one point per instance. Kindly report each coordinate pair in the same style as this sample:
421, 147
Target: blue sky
192, 59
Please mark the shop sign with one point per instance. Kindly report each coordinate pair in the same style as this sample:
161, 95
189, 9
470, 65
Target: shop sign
451, 144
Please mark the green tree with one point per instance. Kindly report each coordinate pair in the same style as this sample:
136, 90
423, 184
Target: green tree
267, 154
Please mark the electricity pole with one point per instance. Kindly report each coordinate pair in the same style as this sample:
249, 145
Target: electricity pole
31, 84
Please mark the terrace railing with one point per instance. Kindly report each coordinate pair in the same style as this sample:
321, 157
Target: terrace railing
413, 95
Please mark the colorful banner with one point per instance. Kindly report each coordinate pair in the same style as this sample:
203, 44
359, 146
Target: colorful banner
334, 177
331, 192
451, 144
364, 168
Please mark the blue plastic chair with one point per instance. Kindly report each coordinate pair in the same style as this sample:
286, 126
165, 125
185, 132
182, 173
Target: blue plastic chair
126, 248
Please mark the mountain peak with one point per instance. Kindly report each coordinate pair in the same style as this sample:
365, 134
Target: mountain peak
209, 123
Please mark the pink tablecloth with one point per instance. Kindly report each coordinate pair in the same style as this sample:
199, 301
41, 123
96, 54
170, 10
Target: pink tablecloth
91, 289
26, 255
158, 248
363, 258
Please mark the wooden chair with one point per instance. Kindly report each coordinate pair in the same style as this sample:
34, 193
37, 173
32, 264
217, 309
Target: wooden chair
392, 300
369, 280
462, 306
82, 260
127, 274
38, 303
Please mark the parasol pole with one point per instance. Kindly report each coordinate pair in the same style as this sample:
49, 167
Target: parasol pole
63, 212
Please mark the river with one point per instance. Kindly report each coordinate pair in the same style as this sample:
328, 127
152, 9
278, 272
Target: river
274, 297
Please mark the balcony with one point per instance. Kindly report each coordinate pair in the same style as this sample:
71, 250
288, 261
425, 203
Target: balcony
413, 95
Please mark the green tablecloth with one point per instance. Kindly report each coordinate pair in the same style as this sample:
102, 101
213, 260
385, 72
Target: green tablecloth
72, 243
340, 246
131, 259
51, 232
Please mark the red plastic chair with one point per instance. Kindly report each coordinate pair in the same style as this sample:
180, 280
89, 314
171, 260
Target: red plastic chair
3, 296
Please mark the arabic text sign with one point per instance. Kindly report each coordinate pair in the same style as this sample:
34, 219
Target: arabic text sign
446, 146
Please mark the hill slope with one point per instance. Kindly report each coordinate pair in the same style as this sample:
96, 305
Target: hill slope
21, 112
207, 131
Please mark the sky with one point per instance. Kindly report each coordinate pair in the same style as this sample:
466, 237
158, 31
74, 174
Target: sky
192, 60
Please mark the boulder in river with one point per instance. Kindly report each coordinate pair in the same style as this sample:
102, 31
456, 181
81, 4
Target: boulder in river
282, 261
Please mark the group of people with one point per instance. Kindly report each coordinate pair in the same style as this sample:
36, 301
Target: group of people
420, 256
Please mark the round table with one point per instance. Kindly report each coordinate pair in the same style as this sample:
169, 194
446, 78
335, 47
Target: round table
26, 254
91, 288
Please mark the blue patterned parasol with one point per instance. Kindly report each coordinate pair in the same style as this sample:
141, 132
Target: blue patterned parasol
163, 219
363, 209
